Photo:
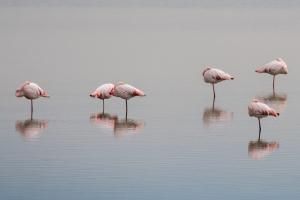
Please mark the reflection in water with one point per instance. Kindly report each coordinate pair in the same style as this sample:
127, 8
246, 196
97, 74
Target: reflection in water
118, 126
274, 100
214, 114
127, 126
31, 128
259, 149
104, 120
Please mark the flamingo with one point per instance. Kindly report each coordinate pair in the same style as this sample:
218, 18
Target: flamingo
275, 67
103, 92
126, 91
31, 91
213, 76
260, 110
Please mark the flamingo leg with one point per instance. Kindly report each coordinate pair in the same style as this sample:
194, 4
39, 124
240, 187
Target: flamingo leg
274, 84
214, 90
213, 106
103, 106
31, 111
259, 127
126, 108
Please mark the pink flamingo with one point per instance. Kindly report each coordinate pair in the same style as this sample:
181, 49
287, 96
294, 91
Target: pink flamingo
275, 67
213, 76
31, 91
103, 92
260, 110
126, 91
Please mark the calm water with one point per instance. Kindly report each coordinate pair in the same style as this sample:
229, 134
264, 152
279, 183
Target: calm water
173, 145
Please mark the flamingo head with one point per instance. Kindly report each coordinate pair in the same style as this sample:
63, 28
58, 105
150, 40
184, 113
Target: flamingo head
45, 94
19, 93
94, 94
91, 95
205, 70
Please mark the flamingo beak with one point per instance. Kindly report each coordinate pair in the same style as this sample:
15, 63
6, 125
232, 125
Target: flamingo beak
46, 95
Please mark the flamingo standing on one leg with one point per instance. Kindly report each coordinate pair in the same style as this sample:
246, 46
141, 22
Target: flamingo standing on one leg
275, 67
260, 110
31, 91
103, 92
126, 91
213, 76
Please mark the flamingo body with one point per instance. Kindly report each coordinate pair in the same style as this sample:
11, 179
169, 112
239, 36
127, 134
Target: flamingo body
213, 76
103, 91
126, 91
30, 91
260, 110
275, 67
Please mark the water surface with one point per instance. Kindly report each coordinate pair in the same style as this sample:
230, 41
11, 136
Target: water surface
176, 143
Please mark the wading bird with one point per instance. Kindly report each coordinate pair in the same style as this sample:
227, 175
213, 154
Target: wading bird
213, 76
275, 67
260, 110
126, 91
103, 92
31, 91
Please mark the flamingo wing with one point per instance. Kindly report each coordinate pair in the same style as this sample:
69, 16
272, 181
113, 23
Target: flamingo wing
277, 66
259, 109
217, 75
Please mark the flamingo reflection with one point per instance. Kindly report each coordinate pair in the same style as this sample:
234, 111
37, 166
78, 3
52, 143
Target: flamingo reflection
213, 115
119, 127
31, 128
127, 126
259, 149
103, 120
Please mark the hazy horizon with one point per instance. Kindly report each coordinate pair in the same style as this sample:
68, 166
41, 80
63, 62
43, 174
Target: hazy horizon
154, 3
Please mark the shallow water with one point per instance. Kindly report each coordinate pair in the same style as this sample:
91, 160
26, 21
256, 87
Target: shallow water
175, 143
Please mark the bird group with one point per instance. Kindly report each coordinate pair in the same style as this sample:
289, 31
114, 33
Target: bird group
211, 75
122, 90
32, 91
256, 108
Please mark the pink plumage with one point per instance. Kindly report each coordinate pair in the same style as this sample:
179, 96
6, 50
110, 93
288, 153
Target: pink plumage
213, 76
260, 110
31, 91
126, 91
103, 91
275, 67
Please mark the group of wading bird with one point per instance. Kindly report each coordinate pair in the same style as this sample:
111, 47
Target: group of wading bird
211, 75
